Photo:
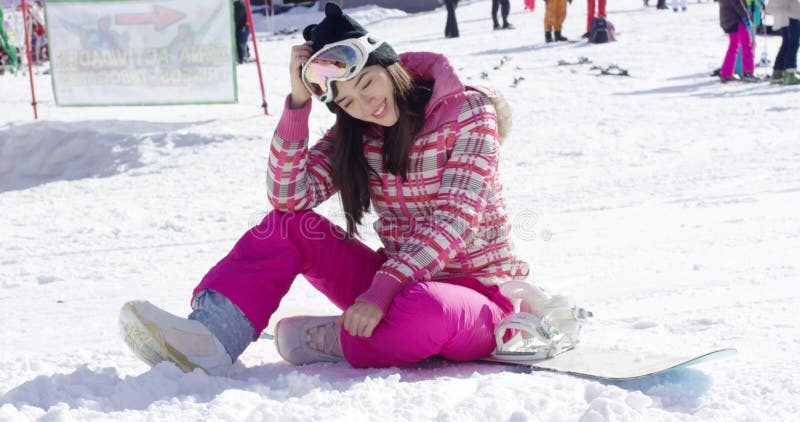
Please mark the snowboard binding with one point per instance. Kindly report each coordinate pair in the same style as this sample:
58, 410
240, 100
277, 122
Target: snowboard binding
544, 326
581, 60
611, 70
503, 61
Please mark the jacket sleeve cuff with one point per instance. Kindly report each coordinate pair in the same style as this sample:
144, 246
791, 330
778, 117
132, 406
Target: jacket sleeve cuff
382, 291
293, 126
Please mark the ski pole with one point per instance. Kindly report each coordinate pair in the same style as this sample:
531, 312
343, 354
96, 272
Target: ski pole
255, 49
765, 54
28, 54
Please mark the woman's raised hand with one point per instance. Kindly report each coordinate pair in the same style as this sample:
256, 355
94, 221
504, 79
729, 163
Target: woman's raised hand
300, 55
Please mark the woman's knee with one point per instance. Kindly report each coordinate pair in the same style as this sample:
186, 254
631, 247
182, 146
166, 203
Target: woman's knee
457, 320
419, 304
306, 224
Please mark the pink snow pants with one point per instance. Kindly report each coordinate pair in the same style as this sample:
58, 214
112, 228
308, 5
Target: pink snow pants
740, 38
453, 319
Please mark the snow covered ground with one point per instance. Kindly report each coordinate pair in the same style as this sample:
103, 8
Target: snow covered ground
666, 202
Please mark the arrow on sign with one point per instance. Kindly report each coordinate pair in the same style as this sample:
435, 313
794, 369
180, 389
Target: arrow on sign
161, 16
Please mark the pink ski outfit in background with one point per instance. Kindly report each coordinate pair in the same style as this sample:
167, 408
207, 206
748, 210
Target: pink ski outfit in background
738, 41
733, 16
601, 11
445, 231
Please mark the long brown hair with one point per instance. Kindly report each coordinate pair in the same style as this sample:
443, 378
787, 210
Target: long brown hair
350, 168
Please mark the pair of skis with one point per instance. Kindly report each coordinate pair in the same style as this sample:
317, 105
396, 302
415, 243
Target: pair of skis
610, 70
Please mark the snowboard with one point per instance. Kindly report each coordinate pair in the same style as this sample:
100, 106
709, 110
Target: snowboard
614, 364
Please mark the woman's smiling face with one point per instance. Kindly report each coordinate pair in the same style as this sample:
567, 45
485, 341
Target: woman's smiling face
369, 96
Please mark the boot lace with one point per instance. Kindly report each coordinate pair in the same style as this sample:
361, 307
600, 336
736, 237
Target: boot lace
324, 338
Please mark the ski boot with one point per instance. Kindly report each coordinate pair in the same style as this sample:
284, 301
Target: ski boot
548, 37
791, 77
777, 76
558, 37
749, 77
732, 78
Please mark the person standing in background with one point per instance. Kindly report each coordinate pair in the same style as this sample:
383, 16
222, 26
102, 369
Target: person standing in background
242, 31
504, 7
451, 27
675, 5
786, 17
9, 57
735, 20
601, 11
554, 14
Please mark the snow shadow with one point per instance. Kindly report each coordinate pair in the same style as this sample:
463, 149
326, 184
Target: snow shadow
105, 390
502, 51
690, 76
697, 89
673, 89
527, 48
342, 376
754, 90
35, 153
677, 390
781, 109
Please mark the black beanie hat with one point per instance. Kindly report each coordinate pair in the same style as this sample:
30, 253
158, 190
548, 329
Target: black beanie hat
336, 26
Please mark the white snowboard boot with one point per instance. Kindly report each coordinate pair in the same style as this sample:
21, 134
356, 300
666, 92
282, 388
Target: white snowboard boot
155, 335
307, 339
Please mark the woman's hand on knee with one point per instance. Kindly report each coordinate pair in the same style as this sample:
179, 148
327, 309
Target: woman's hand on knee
361, 318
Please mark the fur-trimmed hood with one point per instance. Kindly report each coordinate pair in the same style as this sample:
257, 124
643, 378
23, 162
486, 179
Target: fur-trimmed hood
501, 108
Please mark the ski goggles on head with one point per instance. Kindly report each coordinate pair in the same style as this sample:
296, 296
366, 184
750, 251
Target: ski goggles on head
339, 61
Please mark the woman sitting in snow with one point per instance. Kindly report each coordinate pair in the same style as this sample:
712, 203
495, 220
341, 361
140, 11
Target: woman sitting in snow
735, 20
416, 145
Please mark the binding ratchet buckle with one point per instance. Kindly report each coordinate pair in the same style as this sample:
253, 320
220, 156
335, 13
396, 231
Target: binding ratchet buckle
544, 326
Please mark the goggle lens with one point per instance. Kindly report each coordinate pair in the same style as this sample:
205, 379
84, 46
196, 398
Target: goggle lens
334, 63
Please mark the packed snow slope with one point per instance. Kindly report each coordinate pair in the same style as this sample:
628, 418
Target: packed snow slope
666, 202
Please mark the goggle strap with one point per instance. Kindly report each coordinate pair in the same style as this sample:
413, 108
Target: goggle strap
371, 46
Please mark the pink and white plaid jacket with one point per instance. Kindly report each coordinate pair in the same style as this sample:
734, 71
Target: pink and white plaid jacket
447, 221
